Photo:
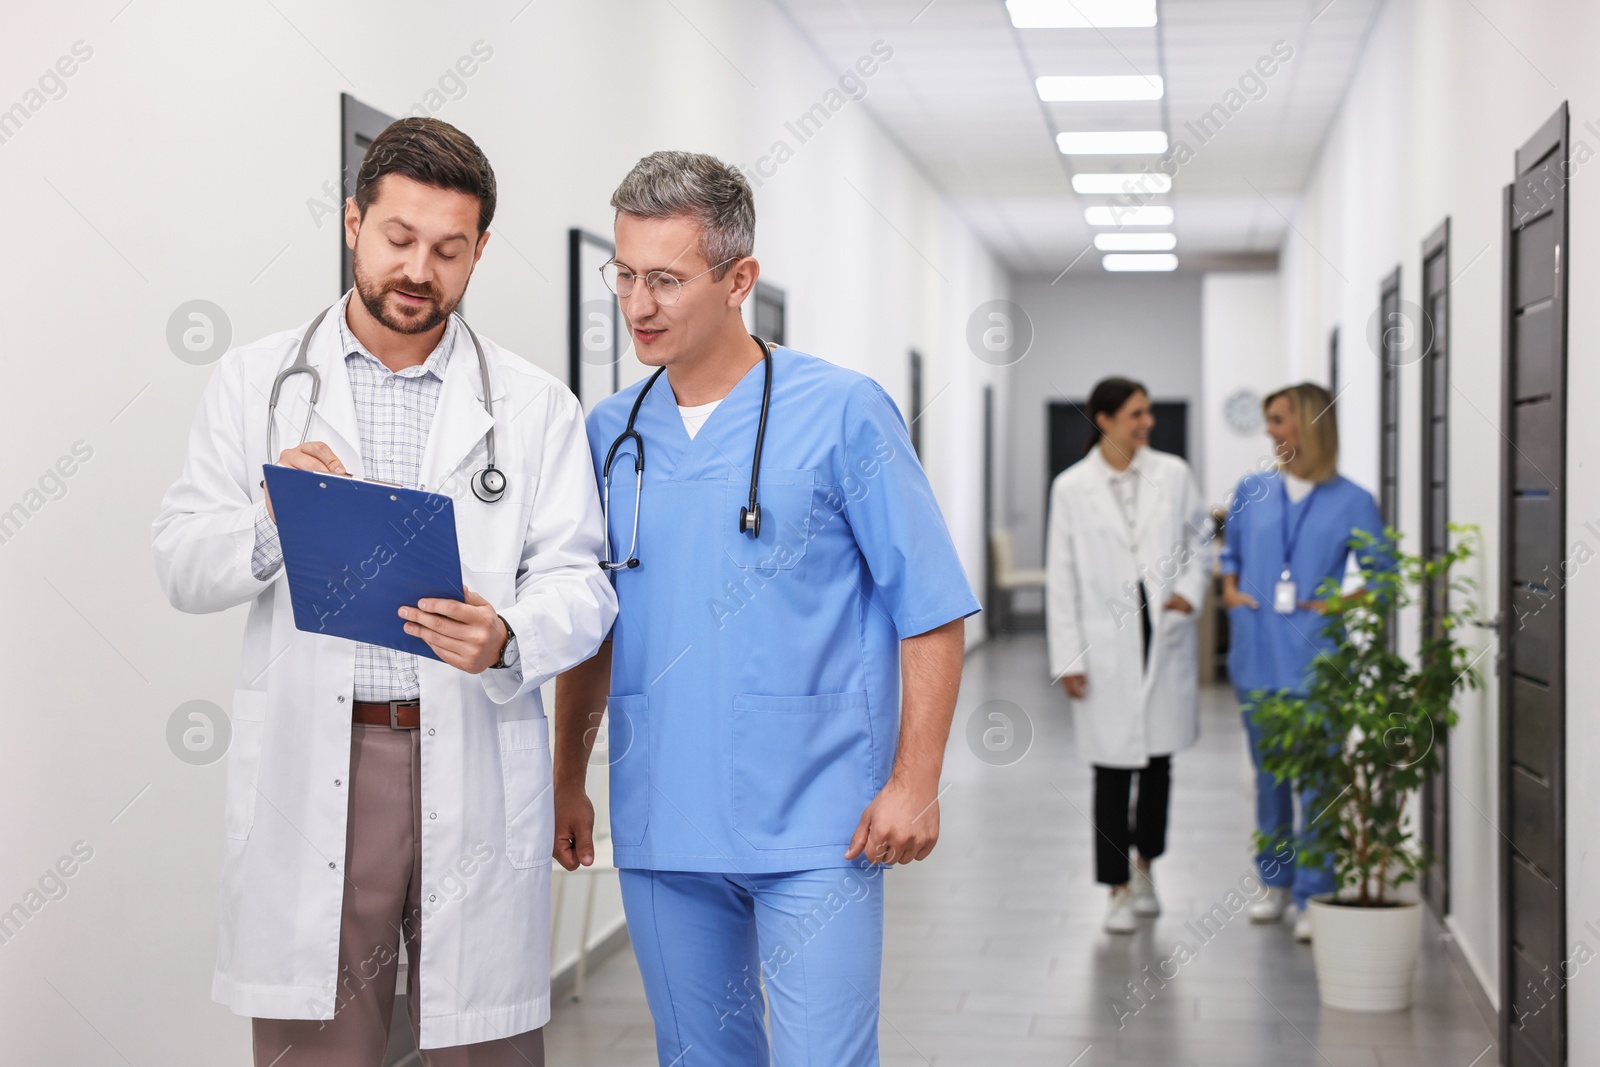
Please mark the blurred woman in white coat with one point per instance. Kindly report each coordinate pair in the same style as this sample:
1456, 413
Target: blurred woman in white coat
1127, 561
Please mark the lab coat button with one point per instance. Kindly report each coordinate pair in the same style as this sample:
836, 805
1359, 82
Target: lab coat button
433, 815
430, 731
337, 783
330, 865
341, 698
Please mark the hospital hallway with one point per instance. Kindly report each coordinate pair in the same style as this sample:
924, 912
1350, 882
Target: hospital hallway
994, 953
1125, 351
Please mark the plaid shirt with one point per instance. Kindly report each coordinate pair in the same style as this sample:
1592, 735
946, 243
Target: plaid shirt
393, 412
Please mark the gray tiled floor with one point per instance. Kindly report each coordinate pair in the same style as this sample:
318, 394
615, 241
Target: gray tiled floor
994, 953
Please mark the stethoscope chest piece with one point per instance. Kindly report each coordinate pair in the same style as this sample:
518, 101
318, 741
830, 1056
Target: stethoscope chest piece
489, 485
750, 520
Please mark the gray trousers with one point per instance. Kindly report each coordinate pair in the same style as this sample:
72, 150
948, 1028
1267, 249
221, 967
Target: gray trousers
382, 903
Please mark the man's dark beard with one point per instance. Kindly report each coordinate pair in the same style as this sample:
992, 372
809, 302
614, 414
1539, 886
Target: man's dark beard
372, 296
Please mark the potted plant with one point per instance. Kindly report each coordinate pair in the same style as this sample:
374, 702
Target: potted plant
1361, 742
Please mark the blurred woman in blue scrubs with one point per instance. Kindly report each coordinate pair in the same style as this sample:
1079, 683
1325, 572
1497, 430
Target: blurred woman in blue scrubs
1287, 531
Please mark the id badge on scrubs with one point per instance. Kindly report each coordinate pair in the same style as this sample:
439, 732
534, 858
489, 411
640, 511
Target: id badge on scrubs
1283, 595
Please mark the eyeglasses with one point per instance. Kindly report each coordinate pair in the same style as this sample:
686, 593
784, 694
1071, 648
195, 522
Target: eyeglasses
666, 289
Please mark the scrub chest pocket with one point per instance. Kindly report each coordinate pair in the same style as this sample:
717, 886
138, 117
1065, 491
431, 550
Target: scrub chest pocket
802, 768
787, 498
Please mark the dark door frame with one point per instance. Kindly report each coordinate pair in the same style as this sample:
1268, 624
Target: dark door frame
1534, 726
359, 125
1333, 363
584, 287
1391, 350
915, 427
770, 306
1435, 485
991, 620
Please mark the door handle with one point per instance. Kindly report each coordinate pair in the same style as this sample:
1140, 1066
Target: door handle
1496, 623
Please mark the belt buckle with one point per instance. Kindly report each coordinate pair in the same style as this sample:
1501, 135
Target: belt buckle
394, 712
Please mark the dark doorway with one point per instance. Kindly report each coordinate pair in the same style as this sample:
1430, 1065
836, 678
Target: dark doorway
1532, 609
771, 314
359, 126
1435, 430
1071, 431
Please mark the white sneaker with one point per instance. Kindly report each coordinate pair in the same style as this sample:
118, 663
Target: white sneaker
1302, 927
1145, 903
1270, 907
1119, 915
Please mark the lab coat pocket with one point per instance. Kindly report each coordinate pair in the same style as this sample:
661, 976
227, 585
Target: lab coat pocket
802, 768
244, 761
525, 770
628, 753
1180, 631
491, 535
787, 524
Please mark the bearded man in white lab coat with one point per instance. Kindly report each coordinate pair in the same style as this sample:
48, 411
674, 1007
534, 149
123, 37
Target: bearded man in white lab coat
364, 784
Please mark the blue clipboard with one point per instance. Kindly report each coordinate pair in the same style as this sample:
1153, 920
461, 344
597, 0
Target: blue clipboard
355, 551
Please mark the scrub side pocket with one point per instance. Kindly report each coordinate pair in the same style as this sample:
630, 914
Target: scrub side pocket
525, 770
628, 753
802, 768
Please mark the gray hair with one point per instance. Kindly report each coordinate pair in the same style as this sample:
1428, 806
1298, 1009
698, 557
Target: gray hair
666, 185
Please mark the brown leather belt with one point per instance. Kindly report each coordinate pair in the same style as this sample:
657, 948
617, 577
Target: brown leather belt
395, 714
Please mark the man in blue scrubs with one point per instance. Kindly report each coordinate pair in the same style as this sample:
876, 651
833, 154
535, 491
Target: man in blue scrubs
780, 695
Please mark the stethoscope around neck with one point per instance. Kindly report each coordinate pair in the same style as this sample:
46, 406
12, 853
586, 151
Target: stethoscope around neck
488, 485
749, 514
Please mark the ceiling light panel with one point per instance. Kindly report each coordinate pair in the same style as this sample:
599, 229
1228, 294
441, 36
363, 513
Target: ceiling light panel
1138, 183
1128, 216
1140, 263
1081, 14
1135, 242
1112, 143
1074, 88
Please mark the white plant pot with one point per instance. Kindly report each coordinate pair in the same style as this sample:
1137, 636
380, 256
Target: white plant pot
1366, 957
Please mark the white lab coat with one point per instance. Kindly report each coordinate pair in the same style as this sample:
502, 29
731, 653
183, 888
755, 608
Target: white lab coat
1092, 568
486, 778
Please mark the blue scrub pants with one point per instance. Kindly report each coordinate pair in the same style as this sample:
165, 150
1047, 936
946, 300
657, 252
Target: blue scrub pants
1275, 817
705, 943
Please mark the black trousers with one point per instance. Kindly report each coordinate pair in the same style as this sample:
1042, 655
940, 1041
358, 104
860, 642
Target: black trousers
1115, 830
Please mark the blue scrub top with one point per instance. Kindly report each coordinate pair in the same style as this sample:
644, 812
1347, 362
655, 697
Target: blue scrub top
755, 684
1268, 650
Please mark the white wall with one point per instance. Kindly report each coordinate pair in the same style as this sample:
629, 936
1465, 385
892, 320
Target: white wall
179, 164
1444, 95
1241, 351
1142, 327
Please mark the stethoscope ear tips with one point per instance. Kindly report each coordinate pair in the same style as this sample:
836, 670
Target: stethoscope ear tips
489, 485
750, 520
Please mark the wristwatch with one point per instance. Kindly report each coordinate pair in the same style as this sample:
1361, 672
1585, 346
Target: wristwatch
508, 651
